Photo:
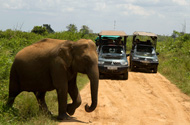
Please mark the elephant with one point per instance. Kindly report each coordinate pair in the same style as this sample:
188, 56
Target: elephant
52, 64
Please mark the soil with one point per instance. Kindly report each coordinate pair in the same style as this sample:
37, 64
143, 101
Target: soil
143, 99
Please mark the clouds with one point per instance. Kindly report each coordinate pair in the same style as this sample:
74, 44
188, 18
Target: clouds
100, 6
71, 6
135, 7
138, 7
134, 10
11, 4
130, 15
182, 2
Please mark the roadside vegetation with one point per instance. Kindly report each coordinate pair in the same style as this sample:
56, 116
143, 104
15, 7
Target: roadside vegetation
174, 59
174, 64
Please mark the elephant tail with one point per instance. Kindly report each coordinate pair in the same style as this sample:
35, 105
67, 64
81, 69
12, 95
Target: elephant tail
14, 88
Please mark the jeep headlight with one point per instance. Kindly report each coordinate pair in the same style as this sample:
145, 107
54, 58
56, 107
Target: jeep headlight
155, 60
100, 62
135, 57
124, 63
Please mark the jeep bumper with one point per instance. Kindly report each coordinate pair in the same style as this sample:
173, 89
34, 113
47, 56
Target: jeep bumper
108, 69
144, 64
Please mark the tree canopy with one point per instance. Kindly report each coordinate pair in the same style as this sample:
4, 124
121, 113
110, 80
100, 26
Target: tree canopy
39, 30
71, 28
85, 29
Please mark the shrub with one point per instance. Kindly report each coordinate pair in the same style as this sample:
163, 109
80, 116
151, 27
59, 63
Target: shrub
40, 30
174, 60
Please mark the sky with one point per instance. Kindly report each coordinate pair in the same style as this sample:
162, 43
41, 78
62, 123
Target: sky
158, 16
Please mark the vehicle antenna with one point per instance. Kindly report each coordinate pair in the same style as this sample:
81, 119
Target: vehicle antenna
184, 27
114, 24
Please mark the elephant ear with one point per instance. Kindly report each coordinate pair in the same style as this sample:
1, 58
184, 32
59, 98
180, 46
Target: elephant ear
65, 52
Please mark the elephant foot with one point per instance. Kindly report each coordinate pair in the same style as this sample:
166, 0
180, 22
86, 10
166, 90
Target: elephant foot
70, 109
63, 117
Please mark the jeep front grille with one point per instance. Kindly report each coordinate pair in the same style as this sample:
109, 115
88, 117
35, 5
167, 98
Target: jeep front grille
112, 63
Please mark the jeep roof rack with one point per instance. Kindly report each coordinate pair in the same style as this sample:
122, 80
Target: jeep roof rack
112, 33
140, 33
153, 36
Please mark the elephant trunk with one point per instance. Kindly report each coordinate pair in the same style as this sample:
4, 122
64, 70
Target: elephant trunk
93, 75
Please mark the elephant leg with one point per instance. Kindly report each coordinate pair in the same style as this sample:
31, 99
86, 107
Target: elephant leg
62, 103
75, 96
60, 82
40, 96
11, 98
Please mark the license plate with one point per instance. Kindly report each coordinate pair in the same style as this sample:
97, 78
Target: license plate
144, 61
112, 67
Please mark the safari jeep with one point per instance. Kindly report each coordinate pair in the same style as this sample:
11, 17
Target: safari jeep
143, 54
112, 58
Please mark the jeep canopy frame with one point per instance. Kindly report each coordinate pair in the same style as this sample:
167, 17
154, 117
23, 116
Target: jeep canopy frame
153, 36
112, 35
107, 37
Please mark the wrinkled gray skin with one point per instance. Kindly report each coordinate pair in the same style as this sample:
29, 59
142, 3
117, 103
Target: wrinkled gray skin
53, 64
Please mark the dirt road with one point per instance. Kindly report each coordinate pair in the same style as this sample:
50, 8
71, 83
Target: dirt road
143, 99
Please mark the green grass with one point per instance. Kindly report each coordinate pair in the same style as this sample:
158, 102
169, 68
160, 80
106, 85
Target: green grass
174, 60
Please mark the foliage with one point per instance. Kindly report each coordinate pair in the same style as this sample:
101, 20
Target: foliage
39, 30
72, 28
129, 43
85, 30
48, 28
174, 60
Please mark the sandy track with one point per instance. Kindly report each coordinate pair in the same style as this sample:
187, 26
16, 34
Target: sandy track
143, 99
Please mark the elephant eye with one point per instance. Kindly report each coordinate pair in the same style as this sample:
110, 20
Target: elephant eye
86, 57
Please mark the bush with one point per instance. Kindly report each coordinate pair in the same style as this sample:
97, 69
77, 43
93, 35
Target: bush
40, 30
174, 60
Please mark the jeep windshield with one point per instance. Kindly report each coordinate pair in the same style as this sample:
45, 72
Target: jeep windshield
112, 52
145, 50
112, 49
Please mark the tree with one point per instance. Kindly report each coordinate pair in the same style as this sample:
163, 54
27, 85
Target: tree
71, 28
39, 30
85, 29
48, 28
174, 34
